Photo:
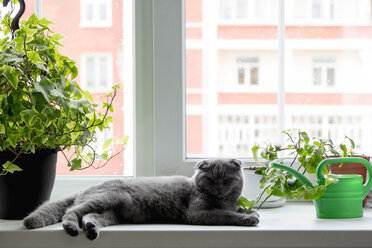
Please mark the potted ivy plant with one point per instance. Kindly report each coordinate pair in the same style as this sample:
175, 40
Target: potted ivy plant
305, 154
42, 111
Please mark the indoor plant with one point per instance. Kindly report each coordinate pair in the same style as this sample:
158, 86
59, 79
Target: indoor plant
306, 154
42, 111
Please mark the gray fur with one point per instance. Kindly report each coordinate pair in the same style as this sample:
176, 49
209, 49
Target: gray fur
208, 198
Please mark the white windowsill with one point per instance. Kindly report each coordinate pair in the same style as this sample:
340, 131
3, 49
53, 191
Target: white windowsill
293, 225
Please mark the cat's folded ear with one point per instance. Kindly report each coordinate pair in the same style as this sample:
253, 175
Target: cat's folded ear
237, 163
202, 164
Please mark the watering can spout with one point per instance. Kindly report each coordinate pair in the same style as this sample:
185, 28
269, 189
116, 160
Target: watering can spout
295, 173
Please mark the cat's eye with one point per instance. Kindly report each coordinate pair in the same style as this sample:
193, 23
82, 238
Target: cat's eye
209, 180
227, 181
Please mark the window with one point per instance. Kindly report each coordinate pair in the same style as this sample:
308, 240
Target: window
316, 11
320, 73
324, 72
248, 71
233, 9
244, 11
237, 133
96, 13
97, 72
104, 58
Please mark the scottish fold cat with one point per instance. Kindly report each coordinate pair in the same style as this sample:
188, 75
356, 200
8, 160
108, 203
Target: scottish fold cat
209, 197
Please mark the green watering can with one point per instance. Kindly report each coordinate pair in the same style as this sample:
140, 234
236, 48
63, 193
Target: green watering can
342, 199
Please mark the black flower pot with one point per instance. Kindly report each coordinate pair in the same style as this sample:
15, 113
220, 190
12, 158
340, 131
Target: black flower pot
23, 191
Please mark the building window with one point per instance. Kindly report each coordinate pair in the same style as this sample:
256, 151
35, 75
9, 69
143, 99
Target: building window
316, 9
96, 13
324, 71
233, 9
237, 133
248, 71
97, 72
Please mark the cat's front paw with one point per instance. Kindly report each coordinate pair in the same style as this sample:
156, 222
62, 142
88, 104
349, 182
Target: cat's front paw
250, 220
90, 230
32, 222
71, 228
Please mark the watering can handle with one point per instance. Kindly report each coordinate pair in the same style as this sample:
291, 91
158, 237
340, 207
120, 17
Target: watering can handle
295, 173
366, 186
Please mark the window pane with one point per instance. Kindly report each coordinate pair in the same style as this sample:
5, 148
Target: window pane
241, 77
89, 11
102, 12
330, 77
86, 46
254, 75
317, 76
316, 9
226, 116
103, 72
334, 55
90, 71
241, 8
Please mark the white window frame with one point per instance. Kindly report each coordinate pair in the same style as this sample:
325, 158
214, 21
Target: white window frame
96, 22
97, 73
164, 140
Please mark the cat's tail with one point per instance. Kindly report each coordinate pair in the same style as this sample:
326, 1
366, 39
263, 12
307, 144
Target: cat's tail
48, 213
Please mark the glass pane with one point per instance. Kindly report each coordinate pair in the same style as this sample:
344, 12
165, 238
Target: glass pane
102, 12
89, 12
103, 71
241, 8
80, 43
330, 77
241, 77
254, 75
231, 77
333, 54
316, 9
89, 71
317, 76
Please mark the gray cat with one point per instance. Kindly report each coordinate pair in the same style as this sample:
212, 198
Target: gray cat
208, 198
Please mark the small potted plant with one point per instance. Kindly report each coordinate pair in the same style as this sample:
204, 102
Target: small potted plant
304, 154
42, 111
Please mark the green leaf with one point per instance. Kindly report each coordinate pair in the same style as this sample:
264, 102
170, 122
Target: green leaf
107, 143
44, 87
330, 178
245, 203
57, 93
123, 141
45, 22
2, 129
37, 123
87, 95
305, 137
33, 19
57, 37
11, 75
351, 142
344, 150
255, 154
10, 167
75, 164
28, 115
34, 57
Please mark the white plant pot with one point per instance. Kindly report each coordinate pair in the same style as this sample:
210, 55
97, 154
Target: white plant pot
252, 189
